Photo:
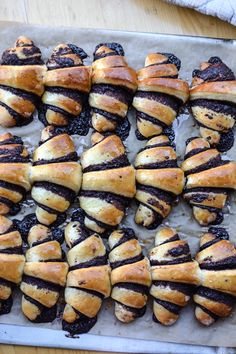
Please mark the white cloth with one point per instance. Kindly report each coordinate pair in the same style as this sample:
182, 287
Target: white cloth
224, 9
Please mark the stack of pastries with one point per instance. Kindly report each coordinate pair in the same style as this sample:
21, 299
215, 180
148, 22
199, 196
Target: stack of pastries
104, 185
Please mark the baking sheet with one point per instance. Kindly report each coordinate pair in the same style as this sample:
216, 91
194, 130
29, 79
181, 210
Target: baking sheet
191, 50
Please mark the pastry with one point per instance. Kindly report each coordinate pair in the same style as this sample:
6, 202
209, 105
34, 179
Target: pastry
113, 85
160, 94
55, 176
14, 173
88, 281
159, 181
217, 259
108, 183
130, 275
44, 275
21, 83
213, 102
174, 275
208, 179
11, 263
67, 84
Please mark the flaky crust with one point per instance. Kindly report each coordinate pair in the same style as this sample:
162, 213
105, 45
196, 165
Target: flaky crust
44, 274
108, 183
208, 177
21, 77
160, 94
88, 281
56, 175
216, 295
159, 181
113, 83
173, 275
130, 275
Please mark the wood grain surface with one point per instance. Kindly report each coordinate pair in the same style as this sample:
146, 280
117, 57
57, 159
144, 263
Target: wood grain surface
133, 15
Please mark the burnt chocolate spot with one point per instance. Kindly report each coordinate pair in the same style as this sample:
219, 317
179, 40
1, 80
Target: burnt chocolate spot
116, 48
226, 141
80, 326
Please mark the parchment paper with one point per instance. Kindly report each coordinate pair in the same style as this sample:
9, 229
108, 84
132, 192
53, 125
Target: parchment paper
191, 50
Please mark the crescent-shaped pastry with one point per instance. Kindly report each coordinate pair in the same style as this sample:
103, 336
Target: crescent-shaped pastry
160, 94
55, 176
213, 102
67, 84
113, 85
88, 281
216, 296
208, 179
21, 83
108, 183
44, 275
11, 263
130, 275
174, 275
14, 173
159, 181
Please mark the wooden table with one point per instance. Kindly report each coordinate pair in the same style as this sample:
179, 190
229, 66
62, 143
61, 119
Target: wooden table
134, 15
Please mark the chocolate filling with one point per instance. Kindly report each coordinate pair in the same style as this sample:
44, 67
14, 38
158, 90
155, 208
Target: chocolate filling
169, 306
154, 146
13, 140
137, 312
13, 187
123, 262
68, 158
224, 107
158, 165
208, 312
216, 295
118, 201
171, 239
157, 218
9, 58
186, 289
226, 263
89, 291
7, 283
46, 315
24, 225
12, 250
171, 59
163, 98
73, 94
128, 234
195, 152
179, 250
185, 259
95, 262
115, 47
28, 96
138, 288
212, 163
62, 191
226, 141
117, 162
120, 93
167, 197
14, 208
41, 284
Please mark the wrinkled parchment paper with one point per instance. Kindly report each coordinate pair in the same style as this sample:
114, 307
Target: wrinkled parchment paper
191, 50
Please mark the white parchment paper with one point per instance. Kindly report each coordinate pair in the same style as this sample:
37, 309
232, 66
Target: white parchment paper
191, 50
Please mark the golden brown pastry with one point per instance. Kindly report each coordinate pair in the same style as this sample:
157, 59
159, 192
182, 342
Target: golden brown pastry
21, 83
55, 175
11, 263
88, 281
174, 275
160, 94
209, 178
113, 84
216, 296
14, 173
130, 275
44, 275
213, 102
159, 181
108, 183
67, 84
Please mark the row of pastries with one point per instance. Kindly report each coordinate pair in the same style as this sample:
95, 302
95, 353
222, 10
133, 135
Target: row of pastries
93, 273
71, 95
